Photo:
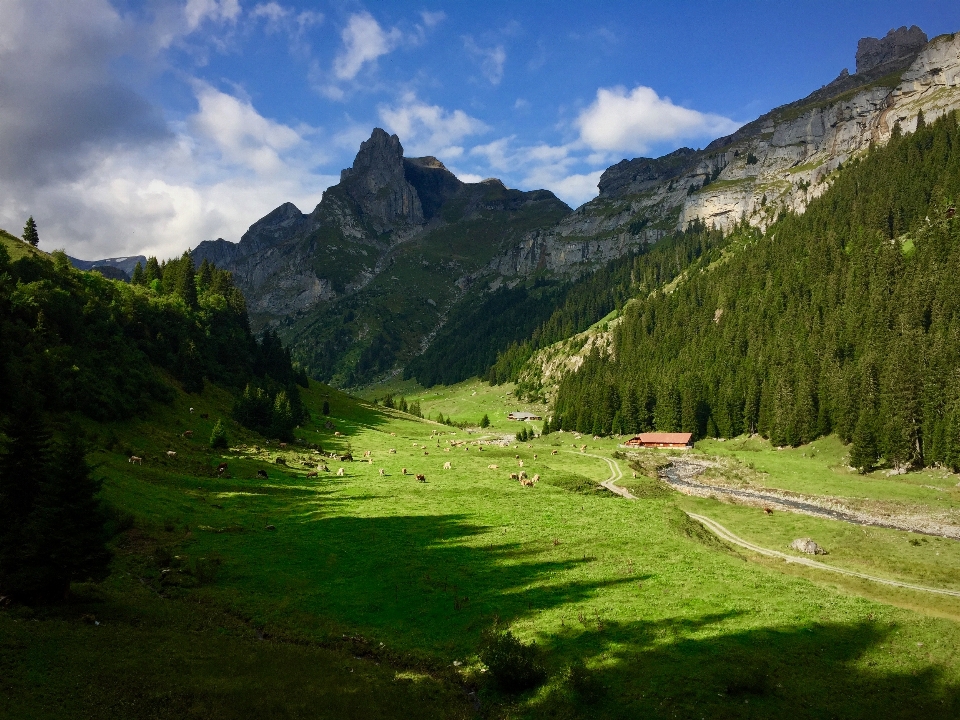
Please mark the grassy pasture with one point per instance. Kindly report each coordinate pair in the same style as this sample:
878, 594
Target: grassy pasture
370, 588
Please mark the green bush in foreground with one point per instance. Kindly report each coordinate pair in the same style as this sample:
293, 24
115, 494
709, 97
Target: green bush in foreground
514, 666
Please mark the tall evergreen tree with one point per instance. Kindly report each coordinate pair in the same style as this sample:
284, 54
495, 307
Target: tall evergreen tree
30, 235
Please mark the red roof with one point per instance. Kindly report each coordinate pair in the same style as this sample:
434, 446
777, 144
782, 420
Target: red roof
665, 438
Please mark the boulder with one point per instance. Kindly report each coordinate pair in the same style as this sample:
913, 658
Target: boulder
808, 546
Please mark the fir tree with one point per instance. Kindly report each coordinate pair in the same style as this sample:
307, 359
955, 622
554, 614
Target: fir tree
218, 438
185, 285
139, 278
485, 421
863, 449
282, 422
30, 235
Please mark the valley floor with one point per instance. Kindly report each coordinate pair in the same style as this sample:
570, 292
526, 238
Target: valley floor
365, 594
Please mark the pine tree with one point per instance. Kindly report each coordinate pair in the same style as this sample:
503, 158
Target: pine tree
218, 438
68, 524
204, 276
282, 422
185, 285
138, 276
30, 235
863, 450
485, 421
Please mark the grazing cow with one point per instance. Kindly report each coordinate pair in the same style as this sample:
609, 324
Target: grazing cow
340, 472
312, 474
188, 433
221, 468
523, 475
337, 433
526, 483
262, 474
370, 461
421, 478
281, 461
392, 451
768, 511
536, 478
346, 457
553, 452
403, 471
634, 474
393, 434
493, 467
191, 411
516, 457
135, 459
171, 454
283, 446
534, 456
366, 453
205, 416
382, 473
324, 468
521, 463
426, 452
445, 449
514, 476
446, 466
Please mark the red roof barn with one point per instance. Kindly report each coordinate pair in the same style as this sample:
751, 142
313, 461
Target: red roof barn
661, 440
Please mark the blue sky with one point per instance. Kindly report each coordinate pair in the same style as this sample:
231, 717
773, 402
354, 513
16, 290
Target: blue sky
130, 126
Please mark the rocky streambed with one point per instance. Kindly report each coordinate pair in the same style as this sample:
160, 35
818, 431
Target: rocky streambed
684, 475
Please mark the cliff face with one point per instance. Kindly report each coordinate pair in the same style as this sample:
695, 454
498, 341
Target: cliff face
782, 160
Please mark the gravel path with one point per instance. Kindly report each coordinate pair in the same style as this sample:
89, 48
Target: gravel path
615, 474
724, 534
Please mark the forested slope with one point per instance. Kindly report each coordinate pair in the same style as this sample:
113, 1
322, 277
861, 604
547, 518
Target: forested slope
844, 319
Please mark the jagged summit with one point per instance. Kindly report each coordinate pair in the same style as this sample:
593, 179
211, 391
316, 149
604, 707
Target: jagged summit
378, 184
901, 44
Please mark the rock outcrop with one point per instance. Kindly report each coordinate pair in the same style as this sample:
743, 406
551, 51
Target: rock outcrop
897, 45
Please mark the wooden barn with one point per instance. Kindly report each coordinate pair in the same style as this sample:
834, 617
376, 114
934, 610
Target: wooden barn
523, 416
661, 440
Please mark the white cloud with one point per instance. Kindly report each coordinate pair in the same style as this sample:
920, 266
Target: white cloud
432, 19
491, 59
363, 42
271, 11
621, 121
429, 129
196, 11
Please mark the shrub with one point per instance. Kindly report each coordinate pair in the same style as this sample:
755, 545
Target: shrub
218, 438
584, 682
514, 666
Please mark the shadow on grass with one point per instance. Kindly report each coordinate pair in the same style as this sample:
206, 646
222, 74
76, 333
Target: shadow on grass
434, 581
655, 669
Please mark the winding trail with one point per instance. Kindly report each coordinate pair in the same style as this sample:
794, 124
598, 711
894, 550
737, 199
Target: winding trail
720, 531
615, 474
724, 534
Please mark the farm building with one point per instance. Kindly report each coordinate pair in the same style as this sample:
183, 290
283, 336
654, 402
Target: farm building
523, 416
661, 440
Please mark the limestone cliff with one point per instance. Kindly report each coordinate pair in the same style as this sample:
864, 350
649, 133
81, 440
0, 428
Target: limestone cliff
780, 161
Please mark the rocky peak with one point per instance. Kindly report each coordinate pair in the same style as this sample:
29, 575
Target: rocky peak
633, 176
378, 184
897, 45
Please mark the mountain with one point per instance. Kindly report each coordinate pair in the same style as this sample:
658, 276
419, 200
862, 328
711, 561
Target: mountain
401, 263
361, 283
118, 268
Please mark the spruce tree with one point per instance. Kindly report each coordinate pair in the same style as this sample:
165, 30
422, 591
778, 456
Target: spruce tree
282, 422
863, 450
185, 284
485, 421
218, 437
138, 277
30, 235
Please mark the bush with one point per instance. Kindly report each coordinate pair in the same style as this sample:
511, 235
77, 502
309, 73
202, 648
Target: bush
584, 682
485, 421
218, 438
514, 666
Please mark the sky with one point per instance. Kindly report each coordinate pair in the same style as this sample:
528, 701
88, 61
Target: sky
147, 126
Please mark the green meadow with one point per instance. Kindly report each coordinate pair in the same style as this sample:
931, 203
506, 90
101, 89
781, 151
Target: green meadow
367, 594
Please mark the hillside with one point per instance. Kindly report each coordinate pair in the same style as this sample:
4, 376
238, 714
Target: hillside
842, 319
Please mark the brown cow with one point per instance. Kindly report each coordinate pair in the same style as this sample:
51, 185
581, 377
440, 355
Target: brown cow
135, 459
283, 445
514, 476
221, 468
312, 473
188, 433
421, 478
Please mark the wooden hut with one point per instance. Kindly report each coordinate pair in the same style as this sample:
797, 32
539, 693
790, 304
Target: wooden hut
661, 440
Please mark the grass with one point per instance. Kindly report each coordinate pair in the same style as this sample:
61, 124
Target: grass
362, 569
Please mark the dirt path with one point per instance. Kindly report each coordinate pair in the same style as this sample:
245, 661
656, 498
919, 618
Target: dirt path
724, 534
615, 474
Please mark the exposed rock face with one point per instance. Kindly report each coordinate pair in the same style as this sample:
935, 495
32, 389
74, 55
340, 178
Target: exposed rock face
898, 44
780, 161
378, 184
